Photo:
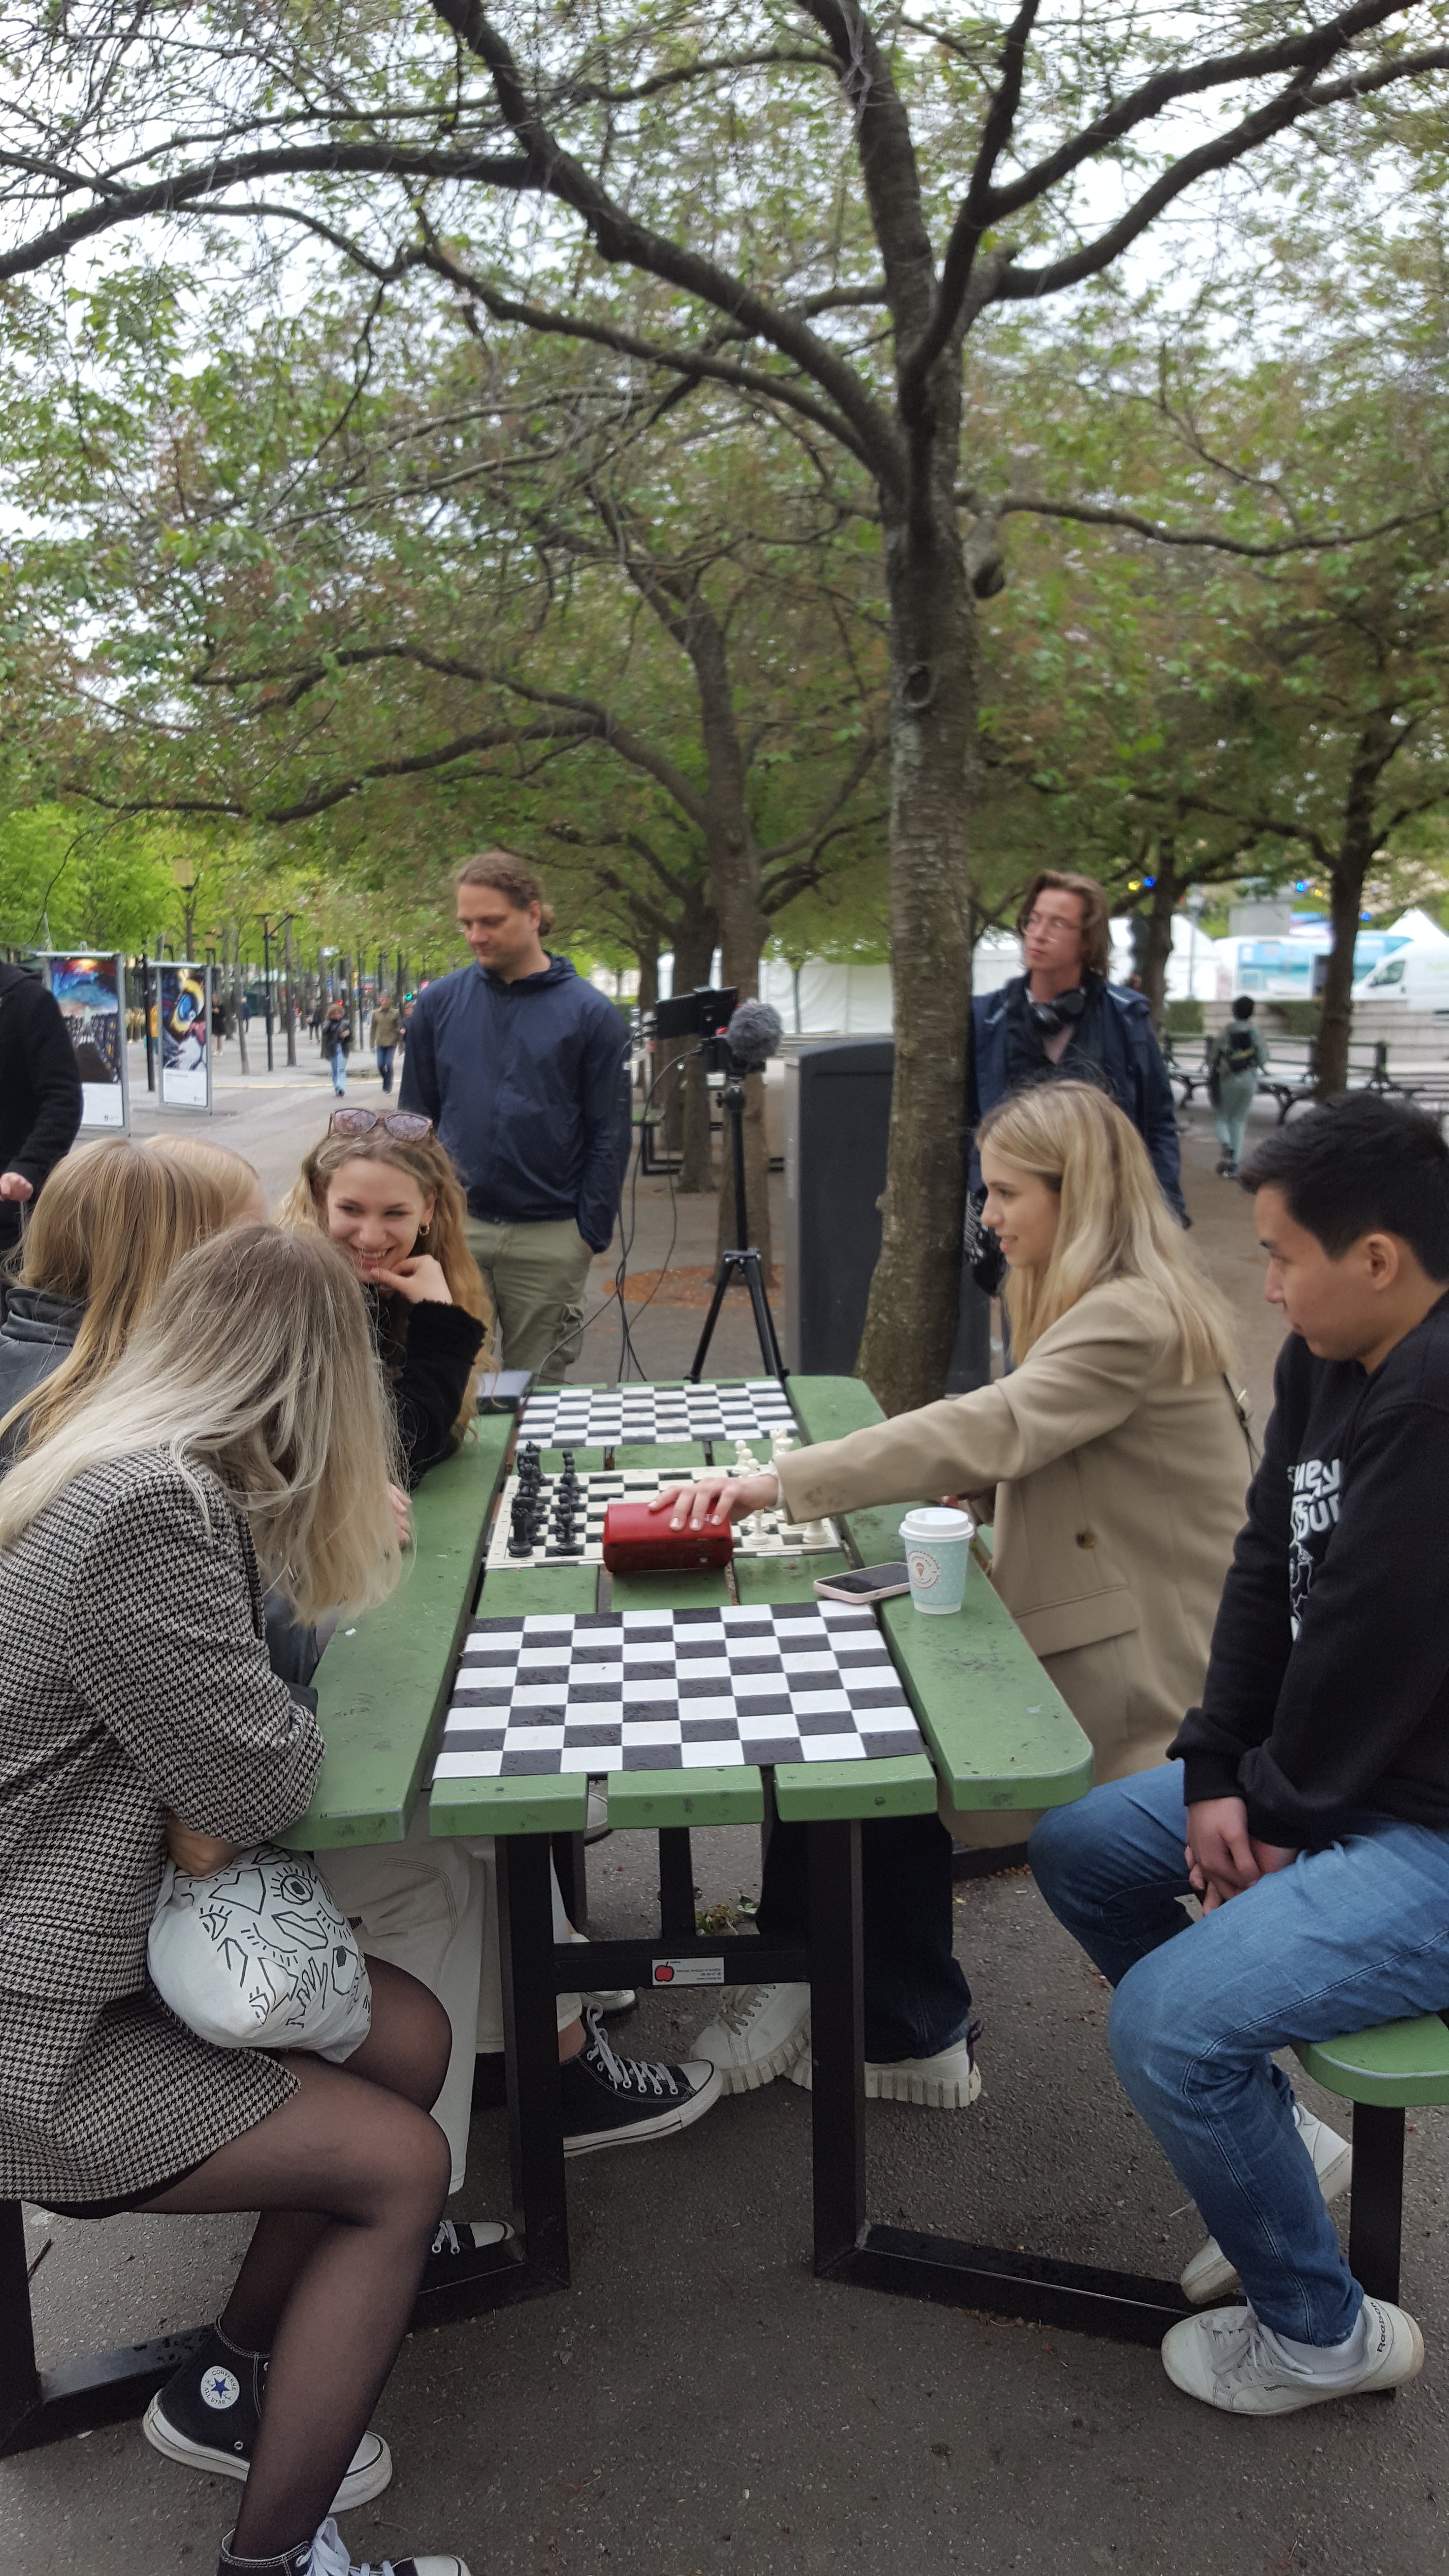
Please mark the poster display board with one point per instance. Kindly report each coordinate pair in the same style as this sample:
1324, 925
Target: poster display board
91, 992
185, 1035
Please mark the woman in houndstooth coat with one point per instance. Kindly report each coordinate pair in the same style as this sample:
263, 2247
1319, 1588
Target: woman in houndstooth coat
244, 1438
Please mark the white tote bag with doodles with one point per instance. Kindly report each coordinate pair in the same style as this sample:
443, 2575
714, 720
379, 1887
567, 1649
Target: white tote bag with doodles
258, 1956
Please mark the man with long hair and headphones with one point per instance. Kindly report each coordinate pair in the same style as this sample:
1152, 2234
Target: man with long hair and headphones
1062, 1016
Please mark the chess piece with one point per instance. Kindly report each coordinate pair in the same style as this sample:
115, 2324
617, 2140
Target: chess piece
781, 1444
520, 1532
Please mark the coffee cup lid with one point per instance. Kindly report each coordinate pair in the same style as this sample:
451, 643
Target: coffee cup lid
935, 1521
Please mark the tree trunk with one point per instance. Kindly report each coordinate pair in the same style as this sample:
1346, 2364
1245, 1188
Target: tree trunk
685, 1095
1375, 749
1157, 945
1335, 1027
910, 1326
734, 885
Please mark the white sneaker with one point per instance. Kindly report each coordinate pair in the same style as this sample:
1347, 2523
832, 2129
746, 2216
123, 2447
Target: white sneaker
757, 2034
598, 1825
1209, 2275
1227, 2360
605, 1999
949, 2081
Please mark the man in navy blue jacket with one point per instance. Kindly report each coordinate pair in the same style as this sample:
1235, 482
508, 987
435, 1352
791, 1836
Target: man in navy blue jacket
1063, 1017
517, 1061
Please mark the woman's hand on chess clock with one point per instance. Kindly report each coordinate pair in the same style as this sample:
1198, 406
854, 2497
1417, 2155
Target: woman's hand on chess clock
713, 1499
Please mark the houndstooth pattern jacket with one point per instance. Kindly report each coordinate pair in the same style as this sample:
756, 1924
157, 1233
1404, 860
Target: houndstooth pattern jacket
133, 1678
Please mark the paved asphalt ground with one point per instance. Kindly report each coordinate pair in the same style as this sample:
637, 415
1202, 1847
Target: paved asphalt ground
697, 2402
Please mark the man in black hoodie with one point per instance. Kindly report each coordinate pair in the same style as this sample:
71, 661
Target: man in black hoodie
40, 1093
1311, 1813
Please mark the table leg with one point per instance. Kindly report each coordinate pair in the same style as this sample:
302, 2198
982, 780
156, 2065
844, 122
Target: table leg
530, 2028
1376, 2211
19, 2379
837, 2039
571, 1870
676, 1884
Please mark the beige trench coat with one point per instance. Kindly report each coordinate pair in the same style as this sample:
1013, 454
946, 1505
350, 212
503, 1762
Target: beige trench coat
1119, 1493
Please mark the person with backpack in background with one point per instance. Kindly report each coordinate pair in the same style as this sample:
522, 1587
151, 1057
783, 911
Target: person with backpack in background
1236, 1057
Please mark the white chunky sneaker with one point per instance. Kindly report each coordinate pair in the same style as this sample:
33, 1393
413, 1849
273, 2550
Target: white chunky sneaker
1210, 2275
949, 2081
598, 1825
1226, 2358
757, 2034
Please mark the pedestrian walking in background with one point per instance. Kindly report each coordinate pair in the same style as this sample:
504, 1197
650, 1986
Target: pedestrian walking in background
516, 1059
40, 1094
336, 1042
386, 1027
1236, 1057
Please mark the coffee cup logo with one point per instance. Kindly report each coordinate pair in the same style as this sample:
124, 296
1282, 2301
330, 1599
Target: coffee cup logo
924, 1570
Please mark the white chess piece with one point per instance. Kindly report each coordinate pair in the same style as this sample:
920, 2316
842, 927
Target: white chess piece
781, 1444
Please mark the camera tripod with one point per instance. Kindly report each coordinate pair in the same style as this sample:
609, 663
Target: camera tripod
746, 1264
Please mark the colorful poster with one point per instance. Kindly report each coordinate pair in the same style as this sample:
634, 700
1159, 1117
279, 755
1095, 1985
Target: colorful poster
91, 992
185, 1038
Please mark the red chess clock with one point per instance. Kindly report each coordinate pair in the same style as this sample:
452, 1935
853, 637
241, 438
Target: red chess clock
638, 1541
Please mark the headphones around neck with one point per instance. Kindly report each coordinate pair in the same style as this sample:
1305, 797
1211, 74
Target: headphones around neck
1051, 1017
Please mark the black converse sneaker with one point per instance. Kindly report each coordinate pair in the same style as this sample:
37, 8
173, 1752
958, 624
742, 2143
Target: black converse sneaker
459, 2253
613, 2101
328, 2555
207, 2415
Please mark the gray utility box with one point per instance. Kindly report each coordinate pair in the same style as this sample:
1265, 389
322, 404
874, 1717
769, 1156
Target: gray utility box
837, 1118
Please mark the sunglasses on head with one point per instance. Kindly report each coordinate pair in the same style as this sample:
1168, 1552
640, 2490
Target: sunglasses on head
406, 1124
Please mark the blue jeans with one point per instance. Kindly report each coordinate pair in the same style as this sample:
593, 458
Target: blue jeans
338, 1062
1352, 1935
384, 1066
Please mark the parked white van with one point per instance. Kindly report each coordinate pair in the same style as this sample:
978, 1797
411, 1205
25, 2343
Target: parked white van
1417, 977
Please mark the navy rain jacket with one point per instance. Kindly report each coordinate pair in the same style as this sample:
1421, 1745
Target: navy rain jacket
521, 1082
1132, 1068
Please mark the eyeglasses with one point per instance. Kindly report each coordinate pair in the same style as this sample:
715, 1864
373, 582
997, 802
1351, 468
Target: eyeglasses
406, 1124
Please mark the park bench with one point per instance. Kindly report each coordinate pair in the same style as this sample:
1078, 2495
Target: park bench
1291, 1073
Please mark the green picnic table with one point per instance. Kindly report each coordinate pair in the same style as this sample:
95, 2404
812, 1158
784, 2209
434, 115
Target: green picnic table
999, 1737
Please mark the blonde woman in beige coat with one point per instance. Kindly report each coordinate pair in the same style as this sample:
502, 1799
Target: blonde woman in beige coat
1112, 1461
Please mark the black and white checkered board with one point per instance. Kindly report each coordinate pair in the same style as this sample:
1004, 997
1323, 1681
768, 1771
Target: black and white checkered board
599, 1417
603, 1486
672, 1690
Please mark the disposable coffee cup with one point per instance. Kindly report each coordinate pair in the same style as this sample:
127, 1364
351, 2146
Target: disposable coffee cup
937, 1544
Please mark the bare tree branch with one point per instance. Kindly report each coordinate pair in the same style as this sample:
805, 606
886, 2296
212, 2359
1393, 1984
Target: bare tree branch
1090, 514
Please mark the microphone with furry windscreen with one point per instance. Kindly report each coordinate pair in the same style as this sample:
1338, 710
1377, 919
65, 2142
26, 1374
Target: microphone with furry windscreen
754, 1033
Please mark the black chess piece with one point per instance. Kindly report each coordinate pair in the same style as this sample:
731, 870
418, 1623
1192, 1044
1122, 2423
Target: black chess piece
520, 1532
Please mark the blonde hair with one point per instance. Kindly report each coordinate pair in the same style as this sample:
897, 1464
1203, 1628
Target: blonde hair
1115, 1223
108, 1229
255, 1364
240, 1180
423, 1160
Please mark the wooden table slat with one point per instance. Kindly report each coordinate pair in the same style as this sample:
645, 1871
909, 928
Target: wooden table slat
1003, 1736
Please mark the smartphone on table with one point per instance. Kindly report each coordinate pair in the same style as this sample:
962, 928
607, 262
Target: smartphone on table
872, 1583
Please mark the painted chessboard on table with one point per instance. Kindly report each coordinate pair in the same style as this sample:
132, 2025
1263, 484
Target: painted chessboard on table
605, 1417
671, 1690
766, 1534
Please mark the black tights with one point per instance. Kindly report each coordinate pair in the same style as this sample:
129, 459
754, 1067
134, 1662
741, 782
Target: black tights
350, 2178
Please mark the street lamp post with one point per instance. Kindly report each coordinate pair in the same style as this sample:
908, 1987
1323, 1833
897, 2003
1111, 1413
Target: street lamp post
288, 989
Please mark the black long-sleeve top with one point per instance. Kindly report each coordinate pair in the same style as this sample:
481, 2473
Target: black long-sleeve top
1327, 1689
40, 1087
439, 1347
